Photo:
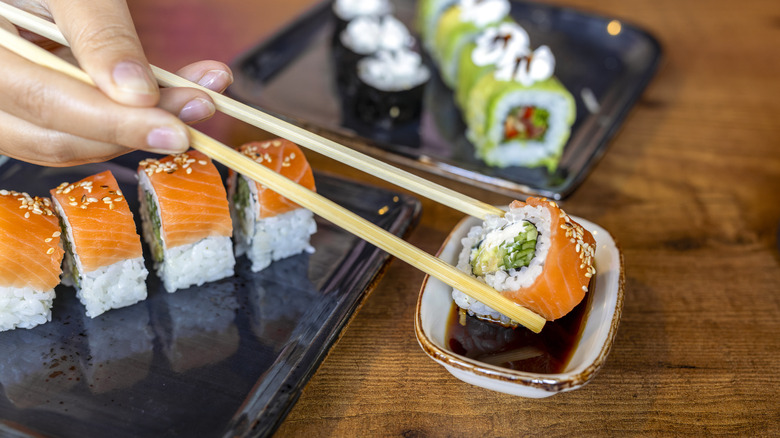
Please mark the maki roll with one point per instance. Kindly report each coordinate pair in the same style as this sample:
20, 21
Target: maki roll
496, 44
535, 255
459, 26
347, 10
363, 37
428, 14
268, 226
103, 256
185, 219
521, 115
30, 258
390, 88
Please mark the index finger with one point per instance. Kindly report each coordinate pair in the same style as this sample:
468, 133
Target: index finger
104, 41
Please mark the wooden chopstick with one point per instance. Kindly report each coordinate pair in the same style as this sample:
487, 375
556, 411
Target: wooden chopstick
309, 140
314, 202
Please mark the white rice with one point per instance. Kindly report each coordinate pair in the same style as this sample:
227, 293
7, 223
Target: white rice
208, 259
108, 287
528, 152
269, 239
24, 307
504, 280
113, 286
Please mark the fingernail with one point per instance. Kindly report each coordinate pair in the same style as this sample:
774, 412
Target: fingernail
196, 109
167, 140
132, 78
216, 77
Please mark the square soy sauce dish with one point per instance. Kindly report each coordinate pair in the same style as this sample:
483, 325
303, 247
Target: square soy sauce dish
604, 63
564, 356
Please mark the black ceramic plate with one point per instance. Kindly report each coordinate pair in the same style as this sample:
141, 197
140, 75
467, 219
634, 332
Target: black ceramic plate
225, 359
291, 75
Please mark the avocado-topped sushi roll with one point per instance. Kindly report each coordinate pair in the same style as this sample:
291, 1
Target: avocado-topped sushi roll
496, 44
30, 258
186, 220
520, 115
390, 87
459, 26
428, 14
268, 226
103, 256
535, 255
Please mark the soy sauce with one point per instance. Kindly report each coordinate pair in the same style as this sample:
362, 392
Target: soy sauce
547, 352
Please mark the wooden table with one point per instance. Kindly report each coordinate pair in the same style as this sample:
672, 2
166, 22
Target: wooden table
689, 187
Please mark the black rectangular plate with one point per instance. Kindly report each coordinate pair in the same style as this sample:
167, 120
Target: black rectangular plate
291, 76
228, 358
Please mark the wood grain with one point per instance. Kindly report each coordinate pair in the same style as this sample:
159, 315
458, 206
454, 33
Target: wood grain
689, 188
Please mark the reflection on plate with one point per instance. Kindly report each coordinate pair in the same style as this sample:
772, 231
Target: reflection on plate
228, 358
291, 75
591, 350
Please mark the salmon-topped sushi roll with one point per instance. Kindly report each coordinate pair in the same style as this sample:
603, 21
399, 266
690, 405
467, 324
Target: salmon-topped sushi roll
185, 219
30, 259
535, 255
267, 225
103, 256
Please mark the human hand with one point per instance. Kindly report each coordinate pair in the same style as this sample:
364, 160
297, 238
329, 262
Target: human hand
51, 119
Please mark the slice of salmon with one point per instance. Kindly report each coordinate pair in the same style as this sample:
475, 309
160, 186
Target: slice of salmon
100, 220
192, 199
285, 158
30, 252
568, 267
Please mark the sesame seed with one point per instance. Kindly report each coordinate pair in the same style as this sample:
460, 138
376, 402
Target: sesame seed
92, 200
73, 204
56, 234
202, 162
107, 199
50, 251
588, 274
584, 288
4, 192
110, 206
83, 206
118, 199
27, 215
47, 240
276, 143
118, 192
189, 170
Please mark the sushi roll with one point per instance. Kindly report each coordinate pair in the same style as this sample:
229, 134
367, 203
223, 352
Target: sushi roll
30, 258
365, 36
185, 219
535, 255
390, 87
459, 26
492, 47
268, 226
521, 115
347, 10
103, 256
428, 14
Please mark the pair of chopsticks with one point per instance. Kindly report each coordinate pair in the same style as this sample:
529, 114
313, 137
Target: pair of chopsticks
316, 203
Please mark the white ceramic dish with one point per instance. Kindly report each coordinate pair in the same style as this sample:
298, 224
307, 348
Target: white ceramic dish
600, 325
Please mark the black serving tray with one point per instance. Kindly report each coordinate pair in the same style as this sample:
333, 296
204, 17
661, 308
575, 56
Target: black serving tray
291, 75
229, 358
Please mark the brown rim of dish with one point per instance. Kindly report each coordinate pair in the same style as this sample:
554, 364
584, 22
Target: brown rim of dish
548, 382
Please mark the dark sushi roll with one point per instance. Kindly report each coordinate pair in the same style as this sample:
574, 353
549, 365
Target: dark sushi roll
390, 87
362, 37
345, 11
